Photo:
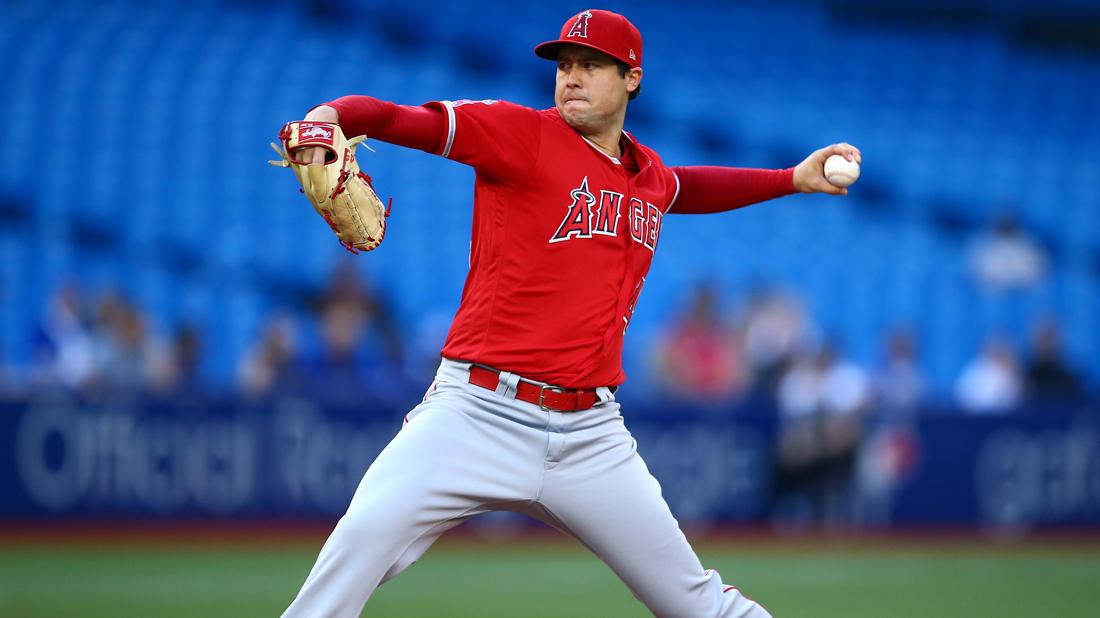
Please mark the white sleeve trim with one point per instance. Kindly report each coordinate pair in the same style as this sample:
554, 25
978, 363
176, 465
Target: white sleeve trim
674, 195
450, 107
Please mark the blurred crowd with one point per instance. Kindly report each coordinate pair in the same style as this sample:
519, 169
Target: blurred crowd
768, 346
347, 350
342, 343
773, 350
348, 342
105, 345
845, 434
341, 346
844, 429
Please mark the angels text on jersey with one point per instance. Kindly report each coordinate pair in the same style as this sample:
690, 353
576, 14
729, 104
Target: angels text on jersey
588, 215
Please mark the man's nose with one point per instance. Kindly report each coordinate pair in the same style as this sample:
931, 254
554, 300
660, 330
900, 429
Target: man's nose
572, 76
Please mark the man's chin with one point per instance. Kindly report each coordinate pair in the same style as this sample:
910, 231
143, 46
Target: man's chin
573, 117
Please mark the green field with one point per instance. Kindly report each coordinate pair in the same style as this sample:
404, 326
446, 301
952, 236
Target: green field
466, 577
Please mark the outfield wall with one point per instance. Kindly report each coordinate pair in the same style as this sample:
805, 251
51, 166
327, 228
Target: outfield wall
64, 459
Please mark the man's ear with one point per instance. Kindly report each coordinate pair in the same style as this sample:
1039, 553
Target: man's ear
633, 79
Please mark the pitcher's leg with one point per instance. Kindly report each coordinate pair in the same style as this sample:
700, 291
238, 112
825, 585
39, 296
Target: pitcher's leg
433, 475
615, 508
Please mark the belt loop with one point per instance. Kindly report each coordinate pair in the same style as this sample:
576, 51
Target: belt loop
506, 386
605, 394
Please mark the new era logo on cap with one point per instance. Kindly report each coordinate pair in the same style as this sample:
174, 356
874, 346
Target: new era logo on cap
603, 31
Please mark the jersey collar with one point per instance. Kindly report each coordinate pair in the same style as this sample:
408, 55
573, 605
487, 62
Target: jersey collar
639, 154
597, 149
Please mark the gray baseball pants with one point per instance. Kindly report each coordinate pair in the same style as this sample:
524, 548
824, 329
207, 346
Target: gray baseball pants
466, 450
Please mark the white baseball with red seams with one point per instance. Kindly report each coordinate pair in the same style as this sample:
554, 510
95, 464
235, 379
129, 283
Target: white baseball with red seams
563, 236
841, 172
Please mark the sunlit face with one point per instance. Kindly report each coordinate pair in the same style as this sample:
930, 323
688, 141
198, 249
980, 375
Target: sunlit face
590, 93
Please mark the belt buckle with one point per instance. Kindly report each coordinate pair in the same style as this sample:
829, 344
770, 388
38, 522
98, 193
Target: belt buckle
542, 397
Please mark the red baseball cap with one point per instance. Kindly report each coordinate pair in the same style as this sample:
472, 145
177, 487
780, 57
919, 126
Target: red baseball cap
603, 31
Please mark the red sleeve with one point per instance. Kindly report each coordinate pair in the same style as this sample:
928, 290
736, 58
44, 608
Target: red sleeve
423, 128
499, 139
706, 189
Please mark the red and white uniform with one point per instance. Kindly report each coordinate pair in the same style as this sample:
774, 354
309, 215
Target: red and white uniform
563, 234
563, 237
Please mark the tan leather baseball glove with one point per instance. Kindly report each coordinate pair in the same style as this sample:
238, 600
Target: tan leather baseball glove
339, 192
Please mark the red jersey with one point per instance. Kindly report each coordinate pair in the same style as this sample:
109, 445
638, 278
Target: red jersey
563, 234
562, 239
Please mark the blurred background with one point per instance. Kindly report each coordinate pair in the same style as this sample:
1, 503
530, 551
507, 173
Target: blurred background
885, 404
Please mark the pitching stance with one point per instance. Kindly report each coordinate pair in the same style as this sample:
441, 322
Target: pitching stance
568, 210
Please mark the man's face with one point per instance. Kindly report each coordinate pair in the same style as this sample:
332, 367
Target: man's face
589, 92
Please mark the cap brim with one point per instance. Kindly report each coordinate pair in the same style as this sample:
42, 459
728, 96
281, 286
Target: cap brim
549, 50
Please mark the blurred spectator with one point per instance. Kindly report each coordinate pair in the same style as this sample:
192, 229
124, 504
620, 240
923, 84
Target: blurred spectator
899, 382
122, 350
891, 445
177, 368
822, 383
346, 290
270, 365
888, 458
1050, 380
63, 346
337, 372
1006, 257
351, 368
992, 382
699, 357
775, 326
822, 406
360, 355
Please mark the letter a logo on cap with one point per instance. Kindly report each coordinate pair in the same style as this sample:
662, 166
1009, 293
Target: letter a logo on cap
580, 27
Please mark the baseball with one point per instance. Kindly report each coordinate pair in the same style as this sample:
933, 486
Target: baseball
840, 171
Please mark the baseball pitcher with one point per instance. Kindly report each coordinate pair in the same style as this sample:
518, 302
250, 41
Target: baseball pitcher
522, 416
